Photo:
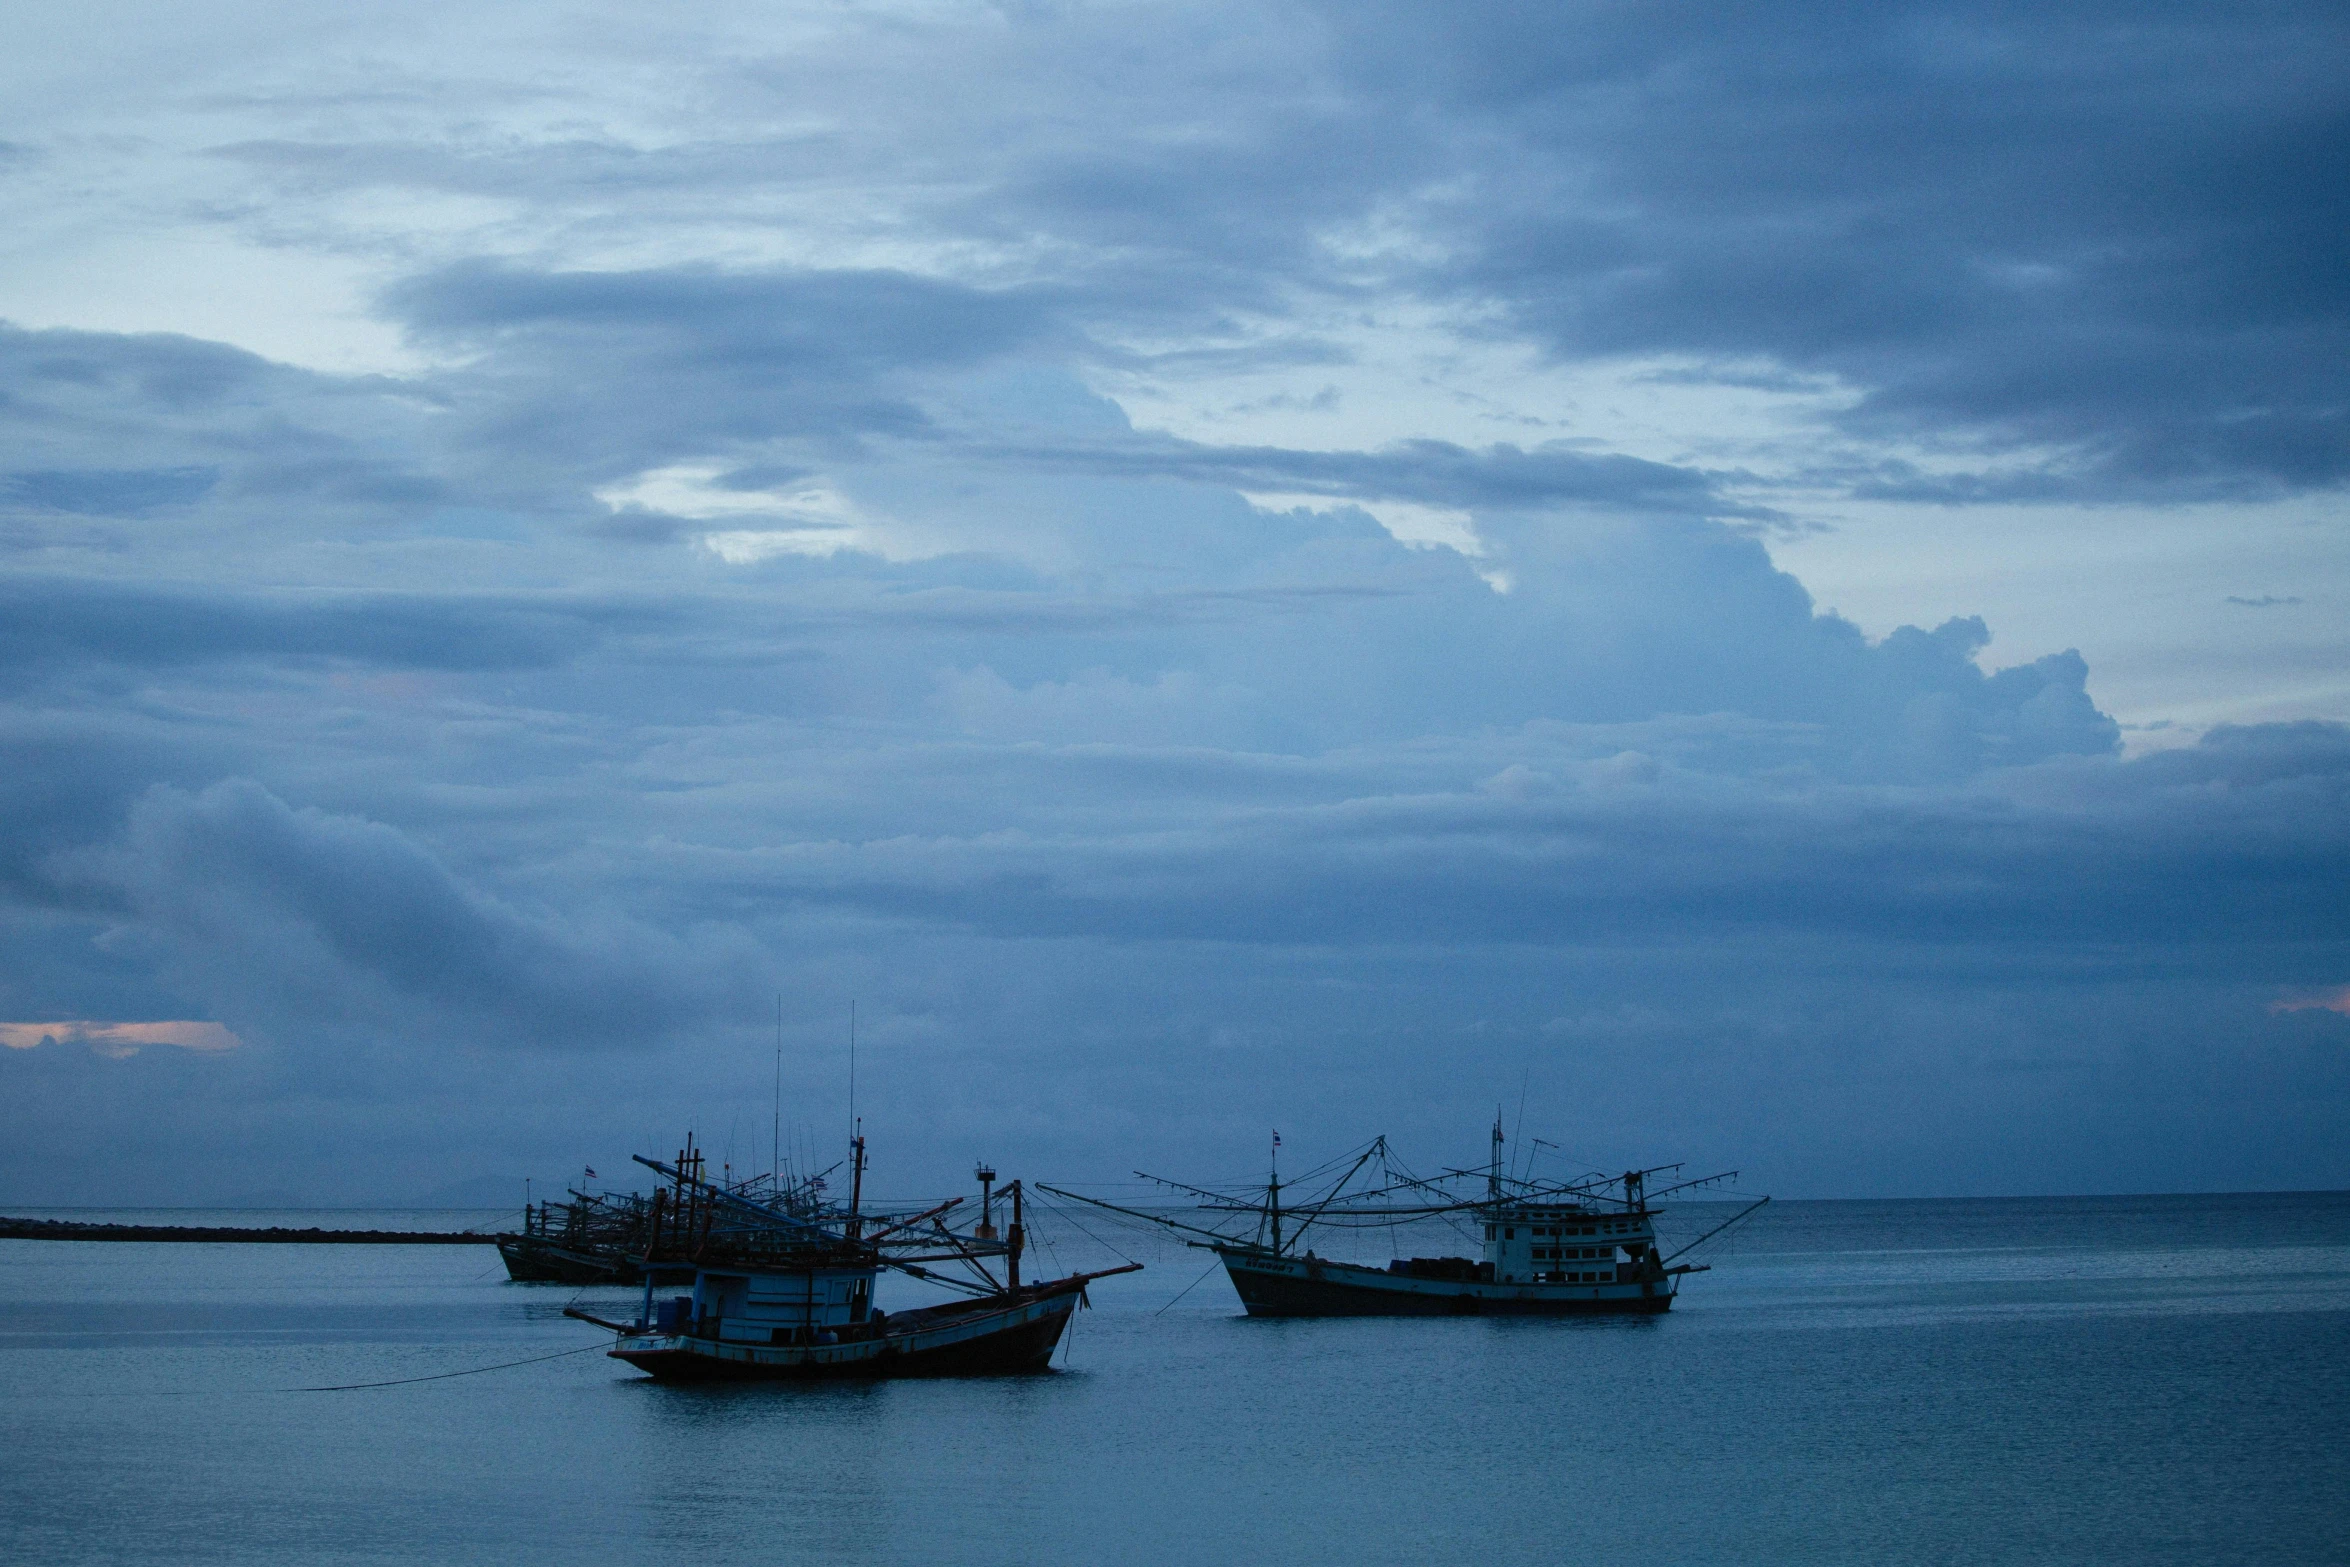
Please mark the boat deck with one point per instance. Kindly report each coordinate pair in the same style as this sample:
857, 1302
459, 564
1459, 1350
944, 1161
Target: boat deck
954, 1339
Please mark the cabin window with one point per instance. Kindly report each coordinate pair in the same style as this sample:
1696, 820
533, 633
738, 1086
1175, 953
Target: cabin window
1509, 1235
1489, 1232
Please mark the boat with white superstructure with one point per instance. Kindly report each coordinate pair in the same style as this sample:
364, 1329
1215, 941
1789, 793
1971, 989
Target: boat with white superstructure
1587, 1246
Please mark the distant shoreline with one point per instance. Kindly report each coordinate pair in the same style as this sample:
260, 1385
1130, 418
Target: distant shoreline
68, 1230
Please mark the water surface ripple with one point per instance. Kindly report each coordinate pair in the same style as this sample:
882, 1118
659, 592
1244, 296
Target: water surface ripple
2112, 1380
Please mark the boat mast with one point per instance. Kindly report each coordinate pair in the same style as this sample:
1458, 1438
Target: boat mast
775, 1144
1273, 1193
1014, 1242
857, 1182
1493, 1170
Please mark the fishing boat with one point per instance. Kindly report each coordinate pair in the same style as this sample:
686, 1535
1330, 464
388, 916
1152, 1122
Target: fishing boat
594, 1238
1586, 1246
743, 1289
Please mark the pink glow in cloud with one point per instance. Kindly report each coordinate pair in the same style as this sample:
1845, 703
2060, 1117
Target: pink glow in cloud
2334, 1000
119, 1039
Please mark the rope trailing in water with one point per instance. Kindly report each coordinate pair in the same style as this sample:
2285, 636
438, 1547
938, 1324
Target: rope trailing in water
443, 1376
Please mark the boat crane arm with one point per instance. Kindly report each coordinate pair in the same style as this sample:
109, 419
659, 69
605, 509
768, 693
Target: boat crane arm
1224, 1202
1196, 1191
908, 1224
719, 1193
916, 1270
1315, 1211
1717, 1229
968, 1257
1703, 1180
1214, 1236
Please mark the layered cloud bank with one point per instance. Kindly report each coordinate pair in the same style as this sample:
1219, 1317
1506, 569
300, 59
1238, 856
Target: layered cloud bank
1006, 576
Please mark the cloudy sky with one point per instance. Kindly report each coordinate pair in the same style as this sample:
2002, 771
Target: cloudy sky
1772, 582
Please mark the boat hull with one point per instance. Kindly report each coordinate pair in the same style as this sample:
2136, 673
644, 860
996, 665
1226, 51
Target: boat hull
948, 1341
1306, 1287
537, 1262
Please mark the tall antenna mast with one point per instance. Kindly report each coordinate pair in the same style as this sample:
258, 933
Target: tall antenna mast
1493, 1172
852, 1066
775, 1145
1519, 1131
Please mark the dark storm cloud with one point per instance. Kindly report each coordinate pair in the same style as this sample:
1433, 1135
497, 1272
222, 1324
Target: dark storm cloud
617, 371
579, 168
688, 358
2231, 853
121, 440
2115, 230
583, 378
801, 323
2093, 250
319, 909
107, 492
61, 623
1432, 472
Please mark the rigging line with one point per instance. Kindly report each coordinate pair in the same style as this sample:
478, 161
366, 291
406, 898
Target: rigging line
1216, 1236
1334, 1192
443, 1376
1059, 1212
1188, 1288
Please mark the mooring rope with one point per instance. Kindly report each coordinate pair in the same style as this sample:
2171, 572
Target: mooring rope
443, 1376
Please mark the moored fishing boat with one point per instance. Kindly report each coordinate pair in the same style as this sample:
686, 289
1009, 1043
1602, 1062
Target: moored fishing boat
1550, 1248
595, 1238
784, 1291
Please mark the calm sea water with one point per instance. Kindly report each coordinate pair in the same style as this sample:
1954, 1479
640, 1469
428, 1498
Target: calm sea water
2123, 1380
